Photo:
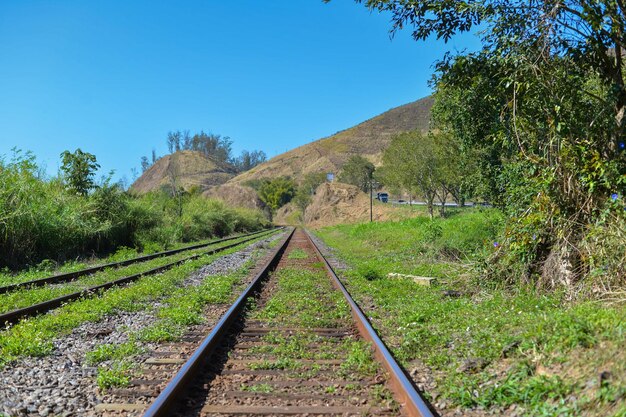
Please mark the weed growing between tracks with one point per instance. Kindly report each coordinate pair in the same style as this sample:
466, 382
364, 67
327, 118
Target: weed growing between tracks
297, 301
183, 308
34, 337
306, 299
298, 254
501, 350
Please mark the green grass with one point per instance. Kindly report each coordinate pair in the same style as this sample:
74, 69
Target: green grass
47, 267
537, 351
182, 308
261, 388
33, 337
298, 254
40, 219
305, 298
117, 376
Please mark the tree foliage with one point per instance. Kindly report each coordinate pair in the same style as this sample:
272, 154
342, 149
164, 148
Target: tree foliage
357, 171
248, 160
306, 189
216, 147
277, 192
543, 107
425, 165
79, 169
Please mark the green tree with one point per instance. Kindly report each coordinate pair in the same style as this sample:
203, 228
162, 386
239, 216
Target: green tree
307, 188
357, 171
79, 169
553, 165
410, 163
277, 192
248, 160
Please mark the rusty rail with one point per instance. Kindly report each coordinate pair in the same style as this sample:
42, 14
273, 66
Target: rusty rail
402, 386
162, 404
405, 391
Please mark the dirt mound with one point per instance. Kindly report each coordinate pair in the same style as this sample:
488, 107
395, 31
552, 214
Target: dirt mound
288, 214
235, 195
368, 139
336, 203
183, 169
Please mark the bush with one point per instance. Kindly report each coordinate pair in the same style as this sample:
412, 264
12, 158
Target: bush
41, 219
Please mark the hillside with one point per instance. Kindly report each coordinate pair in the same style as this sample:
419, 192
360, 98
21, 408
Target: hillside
186, 169
368, 139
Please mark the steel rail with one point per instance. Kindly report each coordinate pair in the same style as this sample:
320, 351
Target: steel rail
402, 386
404, 390
176, 387
70, 276
14, 316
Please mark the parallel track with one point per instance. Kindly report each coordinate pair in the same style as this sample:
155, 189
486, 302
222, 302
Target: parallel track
70, 276
14, 316
205, 380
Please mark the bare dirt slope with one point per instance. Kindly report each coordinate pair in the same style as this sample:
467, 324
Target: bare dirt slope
336, 203
368, 139
235, 195
185, 169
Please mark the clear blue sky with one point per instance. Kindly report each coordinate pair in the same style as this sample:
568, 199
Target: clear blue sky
113, 77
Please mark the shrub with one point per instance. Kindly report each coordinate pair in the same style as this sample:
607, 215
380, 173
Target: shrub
41, 219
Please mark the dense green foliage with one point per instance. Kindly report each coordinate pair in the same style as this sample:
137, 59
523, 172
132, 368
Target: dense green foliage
277, 192
79, 169
485, 346
41, 218
306, 189
357, 171
541, 110
429, 166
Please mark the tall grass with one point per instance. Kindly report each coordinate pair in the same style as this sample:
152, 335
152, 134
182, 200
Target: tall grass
41, 219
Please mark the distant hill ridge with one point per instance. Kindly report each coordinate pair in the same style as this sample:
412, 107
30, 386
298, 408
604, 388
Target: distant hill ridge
185, 169
368, 139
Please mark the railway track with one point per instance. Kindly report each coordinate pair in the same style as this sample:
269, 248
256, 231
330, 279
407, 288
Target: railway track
15, 316
293, 343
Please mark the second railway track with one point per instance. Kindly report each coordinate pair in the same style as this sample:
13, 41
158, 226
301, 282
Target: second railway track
294, 343
13, 316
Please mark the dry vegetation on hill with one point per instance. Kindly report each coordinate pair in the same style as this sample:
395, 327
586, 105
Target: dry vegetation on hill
185, 169
189, 169
368, 139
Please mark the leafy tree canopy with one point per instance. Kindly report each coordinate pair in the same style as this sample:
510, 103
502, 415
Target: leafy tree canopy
277, 192
357, 171
79, 169
542, 106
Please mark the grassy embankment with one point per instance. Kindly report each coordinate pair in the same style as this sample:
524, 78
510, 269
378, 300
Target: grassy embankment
487, 346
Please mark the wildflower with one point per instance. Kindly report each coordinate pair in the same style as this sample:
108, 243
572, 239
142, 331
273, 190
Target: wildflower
535, 237
614, 196
496, 245
622, 145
